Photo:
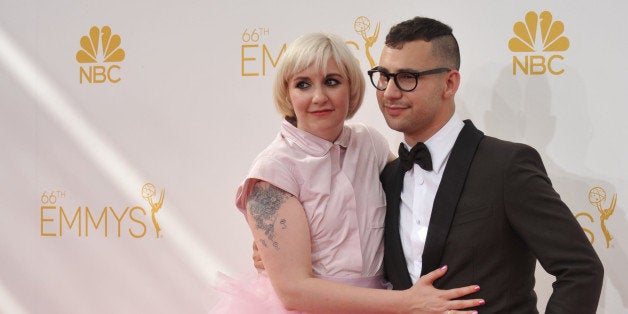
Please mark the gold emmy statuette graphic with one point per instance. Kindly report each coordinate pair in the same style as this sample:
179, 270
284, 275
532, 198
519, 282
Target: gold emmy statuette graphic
361, 25
597, 196
148, 191
551, 33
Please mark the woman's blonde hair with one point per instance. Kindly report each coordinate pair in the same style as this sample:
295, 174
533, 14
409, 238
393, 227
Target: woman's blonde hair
316, 49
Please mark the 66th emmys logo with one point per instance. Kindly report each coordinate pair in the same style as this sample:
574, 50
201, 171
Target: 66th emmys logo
538, 33
99, 52
58, 219
259, 54
256, 55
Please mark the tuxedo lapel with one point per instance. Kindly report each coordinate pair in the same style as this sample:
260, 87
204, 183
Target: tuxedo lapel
394, 259
448, 194
394, 184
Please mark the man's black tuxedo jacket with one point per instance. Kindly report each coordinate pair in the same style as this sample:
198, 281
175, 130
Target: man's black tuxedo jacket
496, 213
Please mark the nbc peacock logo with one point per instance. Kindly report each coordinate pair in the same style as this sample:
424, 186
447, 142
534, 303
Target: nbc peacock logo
541, 38
99, 53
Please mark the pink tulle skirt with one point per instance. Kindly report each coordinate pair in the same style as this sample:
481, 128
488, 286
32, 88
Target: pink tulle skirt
251, 293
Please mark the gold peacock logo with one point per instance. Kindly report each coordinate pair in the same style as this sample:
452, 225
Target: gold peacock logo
536, 34
551, 39
108, 43
100, 46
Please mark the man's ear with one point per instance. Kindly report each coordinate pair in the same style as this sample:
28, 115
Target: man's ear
451, 84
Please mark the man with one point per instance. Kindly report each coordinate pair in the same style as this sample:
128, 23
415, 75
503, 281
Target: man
482, 206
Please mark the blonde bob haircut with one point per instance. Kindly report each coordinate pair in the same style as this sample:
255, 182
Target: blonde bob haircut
316, 49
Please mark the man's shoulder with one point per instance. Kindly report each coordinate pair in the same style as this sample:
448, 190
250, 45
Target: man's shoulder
470, 129
489, 147
494, 143
389, 174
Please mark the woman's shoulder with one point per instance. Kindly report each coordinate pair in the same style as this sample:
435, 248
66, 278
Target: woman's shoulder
362, 129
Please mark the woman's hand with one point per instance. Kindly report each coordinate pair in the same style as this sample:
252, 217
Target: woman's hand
427, 299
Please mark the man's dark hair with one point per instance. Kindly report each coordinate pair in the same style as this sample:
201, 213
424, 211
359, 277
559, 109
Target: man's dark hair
444, 44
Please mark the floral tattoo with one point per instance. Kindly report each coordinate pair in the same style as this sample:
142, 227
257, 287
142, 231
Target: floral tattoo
264, 203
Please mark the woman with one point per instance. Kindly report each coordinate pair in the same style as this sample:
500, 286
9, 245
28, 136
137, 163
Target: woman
313, 199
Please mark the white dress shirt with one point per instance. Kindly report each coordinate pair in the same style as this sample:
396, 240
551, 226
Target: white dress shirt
417, 196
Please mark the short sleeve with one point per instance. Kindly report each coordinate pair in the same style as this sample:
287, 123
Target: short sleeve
271, 170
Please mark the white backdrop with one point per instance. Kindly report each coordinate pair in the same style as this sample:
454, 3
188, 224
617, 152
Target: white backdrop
185, 104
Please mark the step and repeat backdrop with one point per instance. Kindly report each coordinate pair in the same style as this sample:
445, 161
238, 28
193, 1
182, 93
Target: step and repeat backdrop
126, 127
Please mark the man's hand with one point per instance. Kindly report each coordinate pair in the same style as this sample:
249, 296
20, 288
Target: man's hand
257, 258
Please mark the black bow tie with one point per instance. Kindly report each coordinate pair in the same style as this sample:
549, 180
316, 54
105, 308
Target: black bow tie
418, 154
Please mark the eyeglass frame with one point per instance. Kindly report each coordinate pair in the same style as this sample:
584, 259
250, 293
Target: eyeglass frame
394, 75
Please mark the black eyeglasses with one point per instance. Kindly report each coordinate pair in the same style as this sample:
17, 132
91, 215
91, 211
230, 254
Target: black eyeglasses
405, 80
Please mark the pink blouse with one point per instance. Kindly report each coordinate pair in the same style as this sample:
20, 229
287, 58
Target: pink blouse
338, 186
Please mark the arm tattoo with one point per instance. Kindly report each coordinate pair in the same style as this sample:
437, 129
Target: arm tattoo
264, 203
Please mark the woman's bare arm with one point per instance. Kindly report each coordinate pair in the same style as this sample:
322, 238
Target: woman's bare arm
281, 231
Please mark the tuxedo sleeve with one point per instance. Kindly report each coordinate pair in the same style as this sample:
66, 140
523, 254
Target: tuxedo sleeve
548, 227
